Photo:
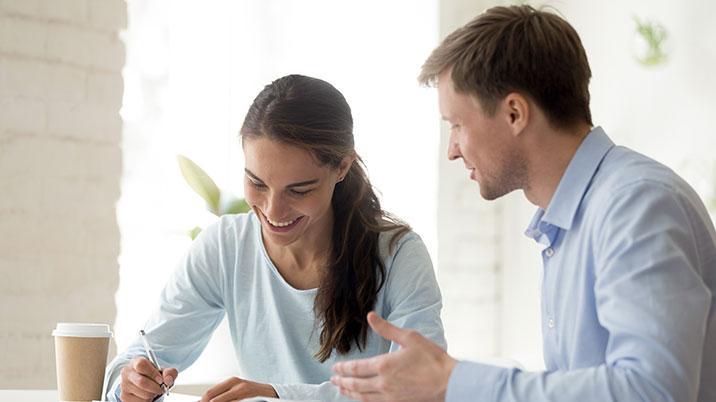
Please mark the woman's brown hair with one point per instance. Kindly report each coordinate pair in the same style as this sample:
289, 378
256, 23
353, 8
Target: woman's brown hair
311, 114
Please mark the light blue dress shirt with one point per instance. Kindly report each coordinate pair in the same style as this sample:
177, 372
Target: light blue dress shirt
628, 292
275, 332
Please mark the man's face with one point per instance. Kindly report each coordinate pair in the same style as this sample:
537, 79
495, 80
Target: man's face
486, 144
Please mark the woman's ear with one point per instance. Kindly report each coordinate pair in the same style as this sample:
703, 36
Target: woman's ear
345, 166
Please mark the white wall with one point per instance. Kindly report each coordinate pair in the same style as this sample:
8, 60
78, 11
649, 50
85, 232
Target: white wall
663, 111
60, 92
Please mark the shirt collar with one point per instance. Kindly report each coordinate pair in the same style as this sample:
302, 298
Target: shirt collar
574, 183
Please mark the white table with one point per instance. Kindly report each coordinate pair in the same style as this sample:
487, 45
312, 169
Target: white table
36, 395
17, 395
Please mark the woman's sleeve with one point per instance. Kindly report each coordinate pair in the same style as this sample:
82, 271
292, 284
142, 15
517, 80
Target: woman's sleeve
412, 300
412, 295
190, 309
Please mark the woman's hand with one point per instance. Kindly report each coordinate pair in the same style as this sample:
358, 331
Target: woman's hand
141, 380
235, 388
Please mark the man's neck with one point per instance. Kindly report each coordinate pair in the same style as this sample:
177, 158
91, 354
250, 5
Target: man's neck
551, 153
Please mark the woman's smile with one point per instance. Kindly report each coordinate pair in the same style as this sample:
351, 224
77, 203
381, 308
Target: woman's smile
282, 226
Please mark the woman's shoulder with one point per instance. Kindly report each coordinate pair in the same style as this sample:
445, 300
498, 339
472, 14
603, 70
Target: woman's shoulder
232, 228
227, 242
400, 241
409, 270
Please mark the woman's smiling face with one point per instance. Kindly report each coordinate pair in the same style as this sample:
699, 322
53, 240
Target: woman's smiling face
288, 189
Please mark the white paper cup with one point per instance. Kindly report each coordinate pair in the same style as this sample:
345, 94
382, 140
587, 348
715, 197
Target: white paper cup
81, 357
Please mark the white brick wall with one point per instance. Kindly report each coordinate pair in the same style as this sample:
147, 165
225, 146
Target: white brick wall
60, 164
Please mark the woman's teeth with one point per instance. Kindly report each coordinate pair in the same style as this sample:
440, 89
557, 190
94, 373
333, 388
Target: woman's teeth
280, 224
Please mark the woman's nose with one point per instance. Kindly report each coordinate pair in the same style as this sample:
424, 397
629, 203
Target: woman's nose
276, 206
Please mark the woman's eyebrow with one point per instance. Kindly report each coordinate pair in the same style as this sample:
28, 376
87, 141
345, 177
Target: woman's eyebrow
297, 184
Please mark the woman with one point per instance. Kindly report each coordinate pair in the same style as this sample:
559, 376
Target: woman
297, 275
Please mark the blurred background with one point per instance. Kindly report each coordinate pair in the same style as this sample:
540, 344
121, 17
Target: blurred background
98, 97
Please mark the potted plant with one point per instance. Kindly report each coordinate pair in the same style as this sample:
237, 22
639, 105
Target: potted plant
218, 202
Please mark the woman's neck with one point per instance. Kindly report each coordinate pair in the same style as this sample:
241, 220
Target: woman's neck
303, 262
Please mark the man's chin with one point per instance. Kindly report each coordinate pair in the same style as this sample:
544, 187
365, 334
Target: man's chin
490, 193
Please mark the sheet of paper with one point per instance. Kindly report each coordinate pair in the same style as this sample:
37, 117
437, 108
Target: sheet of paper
267, 399
174, 397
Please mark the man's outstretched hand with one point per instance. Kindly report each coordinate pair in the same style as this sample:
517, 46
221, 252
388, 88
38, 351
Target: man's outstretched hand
419, 371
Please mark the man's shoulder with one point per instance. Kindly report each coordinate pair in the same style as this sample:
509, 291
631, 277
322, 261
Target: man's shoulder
631, 184
624, 171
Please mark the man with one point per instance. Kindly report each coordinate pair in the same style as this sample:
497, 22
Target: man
630, 252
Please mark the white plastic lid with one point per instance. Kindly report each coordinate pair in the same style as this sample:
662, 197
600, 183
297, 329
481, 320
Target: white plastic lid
82, 330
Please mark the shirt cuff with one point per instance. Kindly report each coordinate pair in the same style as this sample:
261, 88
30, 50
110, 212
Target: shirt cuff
471, 381
114, 391
280, 391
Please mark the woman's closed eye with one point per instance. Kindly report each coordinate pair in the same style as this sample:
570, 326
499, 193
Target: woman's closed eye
293, 191
300, 193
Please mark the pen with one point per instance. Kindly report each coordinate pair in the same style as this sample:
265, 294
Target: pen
152, 358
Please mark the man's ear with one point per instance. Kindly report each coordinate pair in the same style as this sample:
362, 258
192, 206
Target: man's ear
516, 110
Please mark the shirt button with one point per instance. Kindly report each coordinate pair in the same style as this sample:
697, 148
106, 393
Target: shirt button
549, 251
550, 323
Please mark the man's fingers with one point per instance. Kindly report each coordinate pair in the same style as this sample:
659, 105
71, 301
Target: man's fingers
360, 385
389, 331
363, 367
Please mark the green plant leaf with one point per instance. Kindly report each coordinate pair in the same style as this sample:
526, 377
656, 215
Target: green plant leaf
233, 205
654, 35
194, 232
200, 182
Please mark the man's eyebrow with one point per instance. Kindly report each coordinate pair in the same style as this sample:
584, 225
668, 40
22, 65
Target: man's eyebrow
297, 184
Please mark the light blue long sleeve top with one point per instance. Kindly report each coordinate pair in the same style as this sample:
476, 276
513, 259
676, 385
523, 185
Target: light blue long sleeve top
273, 327
628, 290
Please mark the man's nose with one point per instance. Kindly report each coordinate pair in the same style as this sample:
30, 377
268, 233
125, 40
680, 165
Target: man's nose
453, 148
